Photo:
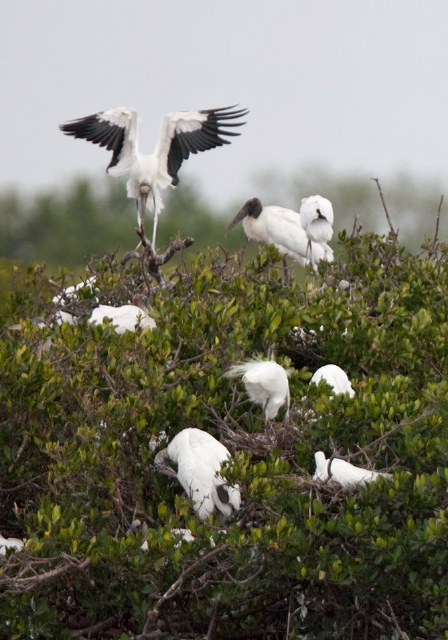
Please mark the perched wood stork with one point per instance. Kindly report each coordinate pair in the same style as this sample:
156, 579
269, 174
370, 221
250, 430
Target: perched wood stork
10, 543
266, 384
282, 228
126, 317
335, 377
316, 216
199, 457
344, 473
181, 133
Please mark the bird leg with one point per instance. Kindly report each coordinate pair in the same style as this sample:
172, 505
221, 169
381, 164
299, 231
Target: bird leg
266, 419
286, 278
145, 188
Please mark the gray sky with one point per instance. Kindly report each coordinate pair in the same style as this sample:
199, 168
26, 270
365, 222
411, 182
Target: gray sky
353, 85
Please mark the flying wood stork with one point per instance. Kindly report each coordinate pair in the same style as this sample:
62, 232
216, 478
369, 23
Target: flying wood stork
335, 377
181, 133
199, 457
282, 228
266, 383
344, 473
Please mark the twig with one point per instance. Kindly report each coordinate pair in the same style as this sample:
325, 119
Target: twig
19, 453
213, 619
26, 584
93, 630
153, 613
436, 234
428, 411
385, 207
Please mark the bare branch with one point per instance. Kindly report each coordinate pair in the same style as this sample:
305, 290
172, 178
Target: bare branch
436, 234
385, 207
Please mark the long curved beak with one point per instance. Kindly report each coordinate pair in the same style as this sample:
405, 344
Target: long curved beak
161, 464
239, 216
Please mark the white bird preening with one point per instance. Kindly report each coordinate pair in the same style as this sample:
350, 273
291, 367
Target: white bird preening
199, 457
266, 384
335, 377
316, 216
344, 473
282, 228
181, 133
124, 318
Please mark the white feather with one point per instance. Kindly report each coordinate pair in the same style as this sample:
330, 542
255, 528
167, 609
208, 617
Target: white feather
199, 457
266, 383
335, 377
344, 473
316, 216
124, 318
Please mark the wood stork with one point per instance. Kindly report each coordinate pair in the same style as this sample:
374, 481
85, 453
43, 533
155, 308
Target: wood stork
316, 216
10, 543
124, 318
344, 473
199, 457
181, 133
266, 383
282, 228
335, 377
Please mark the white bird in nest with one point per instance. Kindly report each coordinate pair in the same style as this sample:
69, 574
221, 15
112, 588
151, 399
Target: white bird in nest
344, 473
199, 457
335, 377
10, 543
126, 317
181, 133
282, 228
266, 384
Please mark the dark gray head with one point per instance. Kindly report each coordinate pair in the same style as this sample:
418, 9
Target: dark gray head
161, 464
252, 208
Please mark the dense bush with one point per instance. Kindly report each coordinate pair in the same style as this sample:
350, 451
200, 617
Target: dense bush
82, 418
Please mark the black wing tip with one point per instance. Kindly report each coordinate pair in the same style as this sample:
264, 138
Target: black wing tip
226, 112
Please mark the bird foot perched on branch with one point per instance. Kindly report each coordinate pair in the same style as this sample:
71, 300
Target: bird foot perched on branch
150, 258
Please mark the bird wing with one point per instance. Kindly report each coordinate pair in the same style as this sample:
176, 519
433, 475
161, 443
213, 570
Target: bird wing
287, 234
185, 132
115, 129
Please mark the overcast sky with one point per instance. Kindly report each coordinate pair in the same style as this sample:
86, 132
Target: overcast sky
357, 86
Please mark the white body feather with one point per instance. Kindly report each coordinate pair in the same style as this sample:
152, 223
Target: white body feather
316, 216
199, 457
124, 318
335, 377
266, 383
344, 473
10, 543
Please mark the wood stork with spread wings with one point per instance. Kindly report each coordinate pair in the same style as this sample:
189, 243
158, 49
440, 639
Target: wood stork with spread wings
344, 473
199, 457
266, 383
335, 377
181, 133
282, 228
